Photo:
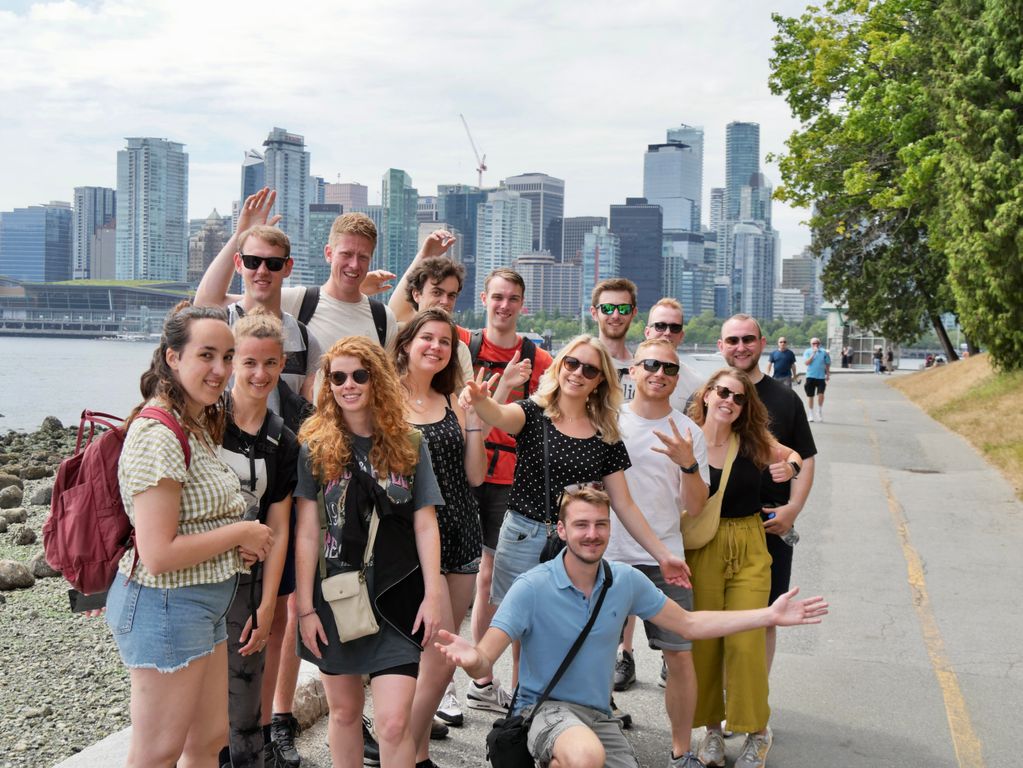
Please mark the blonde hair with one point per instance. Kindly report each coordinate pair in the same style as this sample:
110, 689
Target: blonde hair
259, 323
353, 224
603, 403
671, 303
658, 342
326, 434
269, 235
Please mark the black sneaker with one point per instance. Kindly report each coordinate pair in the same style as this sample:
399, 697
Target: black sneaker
283, 728
623, 717
370, 748
625, 671
438, 730
270, 756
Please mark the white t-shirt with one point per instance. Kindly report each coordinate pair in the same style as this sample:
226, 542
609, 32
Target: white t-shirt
335, 319
654, 482
688, 382
624, 379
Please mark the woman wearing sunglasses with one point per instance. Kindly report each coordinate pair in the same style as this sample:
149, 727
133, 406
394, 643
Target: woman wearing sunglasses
429, 369
576, 405
359, 458
733, 570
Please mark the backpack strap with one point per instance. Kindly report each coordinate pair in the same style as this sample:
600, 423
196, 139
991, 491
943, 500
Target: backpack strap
528, 352
379, 320
310, 299
475, 344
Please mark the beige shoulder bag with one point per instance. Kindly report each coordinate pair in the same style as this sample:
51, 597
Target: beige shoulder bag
698, 531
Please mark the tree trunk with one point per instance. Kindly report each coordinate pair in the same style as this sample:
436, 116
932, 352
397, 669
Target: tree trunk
971, 345
946, 343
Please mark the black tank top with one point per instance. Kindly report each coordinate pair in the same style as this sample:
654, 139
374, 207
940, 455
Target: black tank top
742, 496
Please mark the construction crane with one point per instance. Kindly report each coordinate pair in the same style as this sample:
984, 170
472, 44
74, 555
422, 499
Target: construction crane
481, 162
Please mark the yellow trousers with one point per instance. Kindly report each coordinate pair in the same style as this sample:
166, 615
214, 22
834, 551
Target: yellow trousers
732, 572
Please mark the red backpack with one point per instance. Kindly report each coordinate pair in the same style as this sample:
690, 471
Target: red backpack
88, 530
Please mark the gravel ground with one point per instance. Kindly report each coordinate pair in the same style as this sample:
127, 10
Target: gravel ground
62, 685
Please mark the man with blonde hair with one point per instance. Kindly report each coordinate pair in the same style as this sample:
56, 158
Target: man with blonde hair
666, 321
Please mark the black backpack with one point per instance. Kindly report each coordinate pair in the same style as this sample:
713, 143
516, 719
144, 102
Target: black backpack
528, 352
312, 298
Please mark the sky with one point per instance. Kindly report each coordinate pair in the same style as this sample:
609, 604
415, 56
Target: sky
570, 88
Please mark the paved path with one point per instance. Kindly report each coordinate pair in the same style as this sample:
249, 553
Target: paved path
915, 540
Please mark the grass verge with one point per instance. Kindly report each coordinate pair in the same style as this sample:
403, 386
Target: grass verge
983, 405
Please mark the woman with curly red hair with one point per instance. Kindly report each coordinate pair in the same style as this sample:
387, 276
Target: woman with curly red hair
360, 466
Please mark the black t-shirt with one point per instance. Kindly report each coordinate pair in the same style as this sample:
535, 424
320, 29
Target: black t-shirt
250, 458
789, 426
742, 496
572, 460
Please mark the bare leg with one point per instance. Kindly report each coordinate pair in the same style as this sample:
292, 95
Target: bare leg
392, 709
482, 611
680, 699
278, 637
287, 670
344, 729
209, 716
577, 747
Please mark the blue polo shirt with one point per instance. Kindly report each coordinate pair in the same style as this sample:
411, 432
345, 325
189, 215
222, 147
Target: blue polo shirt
545, 611
816, 364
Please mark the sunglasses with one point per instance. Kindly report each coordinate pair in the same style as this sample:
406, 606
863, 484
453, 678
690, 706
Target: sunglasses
724, 393
589, 371
609, 309
662, 327
359, 376
733, 341
273, 263
651, 366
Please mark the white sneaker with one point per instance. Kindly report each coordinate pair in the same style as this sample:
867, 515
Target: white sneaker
449, 712
754, 750
820, 415
491, 697
809, 416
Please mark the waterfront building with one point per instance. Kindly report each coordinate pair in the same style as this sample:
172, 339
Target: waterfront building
742, 160
317, 190
550, 286
692, 137
321, 219
673, 179
287, 172
753, 270
103, 253
638, 225
547, 197
803, 273
458, 205
95, 208
35, 242
601, 259
253, 173
686, 276
503, 233
152, 210
789, 304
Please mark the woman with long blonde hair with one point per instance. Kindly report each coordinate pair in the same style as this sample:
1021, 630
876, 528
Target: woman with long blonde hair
733, 570
575, 411
360, 460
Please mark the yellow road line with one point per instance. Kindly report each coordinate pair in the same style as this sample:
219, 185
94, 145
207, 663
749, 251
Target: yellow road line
969, 753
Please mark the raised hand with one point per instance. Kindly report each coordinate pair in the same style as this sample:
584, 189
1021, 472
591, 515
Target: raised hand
377, 281
477, 390
456, 649
256, 209
786, 612
677, 447
437, 244
517, 372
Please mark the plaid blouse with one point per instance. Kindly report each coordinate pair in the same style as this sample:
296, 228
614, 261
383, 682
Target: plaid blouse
210, 497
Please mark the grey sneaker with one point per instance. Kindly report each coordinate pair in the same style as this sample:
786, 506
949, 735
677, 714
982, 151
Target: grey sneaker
491, 697
662, 681
688, 760
754, 750
712, 750
625, 671
449, 711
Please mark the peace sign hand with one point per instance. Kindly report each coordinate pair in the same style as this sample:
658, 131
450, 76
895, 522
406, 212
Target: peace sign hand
477, 390
676, 447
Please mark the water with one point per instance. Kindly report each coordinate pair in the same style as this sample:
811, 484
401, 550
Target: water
59, 377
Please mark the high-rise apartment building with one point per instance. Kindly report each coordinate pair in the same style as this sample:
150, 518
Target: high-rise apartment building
802, 273
742, 160
565, 236
547, 196
205, 244
94, 209
686, 276
317, 190
601, 259
349, 196
503, 233
402, 202
458, 205
152, 210
692, 137
755, 200
426, 209
753, 270
287, 172
550, 286
253, 173
638, 225
35, 243
321, 219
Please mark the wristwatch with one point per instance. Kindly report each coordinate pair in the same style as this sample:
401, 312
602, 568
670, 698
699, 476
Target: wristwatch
690, 470
795, 469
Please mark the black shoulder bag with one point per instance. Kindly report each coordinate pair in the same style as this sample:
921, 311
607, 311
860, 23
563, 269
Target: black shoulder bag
506, 742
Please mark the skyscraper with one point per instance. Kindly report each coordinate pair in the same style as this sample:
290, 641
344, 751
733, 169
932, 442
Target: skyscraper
321, 219
348, 196
547, 196
253, 173
673, 178
742, 160
94, 208
287, 172
550, 286
503, 233
638, 225
458, 205
601, 255
35, 243
692, 136
402, 201
753, 270
565, 236
204, 245
152, 210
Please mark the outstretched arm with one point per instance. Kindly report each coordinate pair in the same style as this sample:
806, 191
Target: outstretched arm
212, 290
702, 625
476, 660
509, 417
436, 244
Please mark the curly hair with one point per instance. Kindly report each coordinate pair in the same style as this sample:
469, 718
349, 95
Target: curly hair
436, 270
159, 379
751, 425
603, 403
449, 378
326, 433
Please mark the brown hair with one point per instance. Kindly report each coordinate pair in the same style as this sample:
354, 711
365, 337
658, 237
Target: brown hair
751, 424
614, 284
444, 381
586, 493
353, 224
435, 269
269, 235
505, 274
326, 434
159, 380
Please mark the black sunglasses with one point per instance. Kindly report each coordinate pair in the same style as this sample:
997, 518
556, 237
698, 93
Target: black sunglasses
359, 376
650, 366
724, 393
609, 309
662, 327
589, 371
733, 341
273, 263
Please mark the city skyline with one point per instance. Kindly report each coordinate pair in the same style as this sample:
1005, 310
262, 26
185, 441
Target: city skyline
523, 107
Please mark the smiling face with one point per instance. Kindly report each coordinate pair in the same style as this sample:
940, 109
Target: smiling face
657, 386
442, 295
720, 409
665, 316
586, 528
257, 366
741, 344
204, 363
574, 383
616, 325
351, 396
261, 284
349, 259
430, 349
503, 301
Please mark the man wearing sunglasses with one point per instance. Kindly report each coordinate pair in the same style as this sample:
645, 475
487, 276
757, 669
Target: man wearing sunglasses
613, 307
668, 474
783, 363
741, 344
665, 321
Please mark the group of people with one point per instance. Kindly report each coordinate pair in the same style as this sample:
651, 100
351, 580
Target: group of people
781, 364
331, 435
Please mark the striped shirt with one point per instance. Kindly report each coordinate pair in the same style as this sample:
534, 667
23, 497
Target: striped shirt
210, 497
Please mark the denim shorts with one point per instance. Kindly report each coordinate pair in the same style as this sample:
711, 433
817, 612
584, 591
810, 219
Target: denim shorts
518, 549
165, 629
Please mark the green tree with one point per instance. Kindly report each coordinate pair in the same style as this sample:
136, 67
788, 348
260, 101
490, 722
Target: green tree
980, 219
865, 159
